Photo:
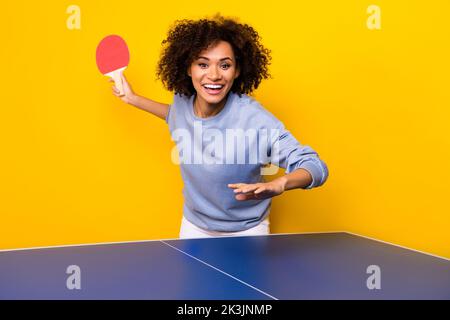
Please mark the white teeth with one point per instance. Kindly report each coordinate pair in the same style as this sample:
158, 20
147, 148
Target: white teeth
213, 86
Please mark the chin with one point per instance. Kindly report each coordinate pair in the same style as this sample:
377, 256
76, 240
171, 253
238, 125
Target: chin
214, 99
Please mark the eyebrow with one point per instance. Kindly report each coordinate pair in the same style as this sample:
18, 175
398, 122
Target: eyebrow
227, 58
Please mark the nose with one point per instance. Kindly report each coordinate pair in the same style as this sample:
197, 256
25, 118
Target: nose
214, 74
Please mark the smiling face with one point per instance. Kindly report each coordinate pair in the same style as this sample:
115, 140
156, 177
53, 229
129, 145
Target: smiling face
213, 74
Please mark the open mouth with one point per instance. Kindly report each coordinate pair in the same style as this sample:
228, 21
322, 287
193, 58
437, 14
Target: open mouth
213, 89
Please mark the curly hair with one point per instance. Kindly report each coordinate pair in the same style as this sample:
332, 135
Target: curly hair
188, 38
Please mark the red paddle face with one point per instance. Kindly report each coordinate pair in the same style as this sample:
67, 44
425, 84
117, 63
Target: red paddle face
112, 54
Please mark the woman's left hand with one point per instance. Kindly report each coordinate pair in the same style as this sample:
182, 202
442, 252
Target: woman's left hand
258, 191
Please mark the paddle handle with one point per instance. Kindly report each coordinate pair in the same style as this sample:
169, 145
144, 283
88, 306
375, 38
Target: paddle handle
116, 75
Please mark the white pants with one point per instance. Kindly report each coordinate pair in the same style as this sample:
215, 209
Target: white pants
189, 230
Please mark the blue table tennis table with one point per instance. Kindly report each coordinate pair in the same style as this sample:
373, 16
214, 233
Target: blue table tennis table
279, 267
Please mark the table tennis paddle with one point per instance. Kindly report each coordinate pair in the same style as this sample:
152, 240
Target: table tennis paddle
113, 58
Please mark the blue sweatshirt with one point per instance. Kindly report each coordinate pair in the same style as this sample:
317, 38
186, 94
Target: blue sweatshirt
234, 146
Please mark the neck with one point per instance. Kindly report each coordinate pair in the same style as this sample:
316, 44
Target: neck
205, 110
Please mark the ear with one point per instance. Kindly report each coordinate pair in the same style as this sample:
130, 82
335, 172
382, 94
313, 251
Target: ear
238, 73
189, 72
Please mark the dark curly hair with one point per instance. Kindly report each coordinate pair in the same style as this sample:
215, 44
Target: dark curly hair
188, 38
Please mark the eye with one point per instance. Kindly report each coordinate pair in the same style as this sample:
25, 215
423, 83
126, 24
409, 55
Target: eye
226, 65
202, 64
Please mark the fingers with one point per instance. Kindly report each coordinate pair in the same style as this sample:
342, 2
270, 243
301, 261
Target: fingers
245, 192
246, 197
260, 190
115, 91
123, 78
114, 86
235, 185
247, 188
125, 82
126, 86
261, 195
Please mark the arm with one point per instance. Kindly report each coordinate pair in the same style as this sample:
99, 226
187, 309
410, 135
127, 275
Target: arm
158, 109
299, 179
304, 169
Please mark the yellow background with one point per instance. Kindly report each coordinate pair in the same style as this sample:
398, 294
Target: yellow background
79, 166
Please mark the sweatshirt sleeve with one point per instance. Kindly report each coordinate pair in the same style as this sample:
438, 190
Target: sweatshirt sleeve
168, 113
171, 114
289, 154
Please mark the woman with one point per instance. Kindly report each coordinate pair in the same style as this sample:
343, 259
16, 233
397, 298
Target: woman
211, 65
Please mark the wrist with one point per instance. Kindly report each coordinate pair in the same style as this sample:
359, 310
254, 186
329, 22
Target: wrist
133, 99
282, 182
